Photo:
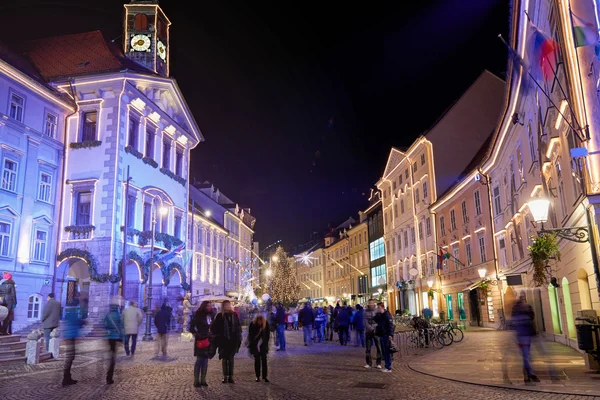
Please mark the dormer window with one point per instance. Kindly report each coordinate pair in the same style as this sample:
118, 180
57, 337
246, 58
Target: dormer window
141, 22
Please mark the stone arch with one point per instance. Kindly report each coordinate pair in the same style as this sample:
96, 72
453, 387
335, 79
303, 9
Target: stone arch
583, 284
73, 283
132, 281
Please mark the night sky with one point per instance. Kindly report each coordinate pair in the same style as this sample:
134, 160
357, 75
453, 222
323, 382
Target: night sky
299, 103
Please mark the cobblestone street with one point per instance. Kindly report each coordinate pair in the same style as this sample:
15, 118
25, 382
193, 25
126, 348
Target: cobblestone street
321, 371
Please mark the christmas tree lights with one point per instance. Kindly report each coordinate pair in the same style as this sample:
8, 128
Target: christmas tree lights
285, 288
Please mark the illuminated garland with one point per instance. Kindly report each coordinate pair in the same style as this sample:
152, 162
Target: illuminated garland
92, 265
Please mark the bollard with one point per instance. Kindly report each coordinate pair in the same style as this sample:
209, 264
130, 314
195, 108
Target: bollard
34, 347
54, 345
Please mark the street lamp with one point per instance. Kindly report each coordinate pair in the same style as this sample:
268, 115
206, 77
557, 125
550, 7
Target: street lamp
482, 272
275, 258
539, 210
430, 283
162, 211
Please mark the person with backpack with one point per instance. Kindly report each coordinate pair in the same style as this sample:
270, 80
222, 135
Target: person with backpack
385, 331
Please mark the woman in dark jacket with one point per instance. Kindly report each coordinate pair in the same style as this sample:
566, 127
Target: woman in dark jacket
228, 335
200, 328
258, 343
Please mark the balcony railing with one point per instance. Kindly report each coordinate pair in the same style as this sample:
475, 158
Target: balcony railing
79, 232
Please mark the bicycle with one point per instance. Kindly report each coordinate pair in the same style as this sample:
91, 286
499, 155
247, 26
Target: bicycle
455, 332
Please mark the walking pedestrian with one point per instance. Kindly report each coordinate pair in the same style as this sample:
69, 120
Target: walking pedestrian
342, 321
228, 334
385, 332
114, 326
359, 326
200, 327
522, 322
370, 337
280, 321
258, 344
132, 319
162, 321
307, 319
72, 327
320, 322
295, 315
50, 318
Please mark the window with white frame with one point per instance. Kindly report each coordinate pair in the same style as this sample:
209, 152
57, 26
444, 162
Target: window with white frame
520, 164
132, 137
5, 233
455, 256
422, 159
417, 198
89, 125
34, 304
50, 125
531, 143
396, 210
463, 208
481, 240
40, 245
17, 105
477, 203
452, 220
9, 175
45, 187
402, 206
428, 226
83, 208
424, 189
468, 252
405, 239
420, 230
529, 229
502, 251
442, 226
497, 200
512, 173
412, 234
513, 246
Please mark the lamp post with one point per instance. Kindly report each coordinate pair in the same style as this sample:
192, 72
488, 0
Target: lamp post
578, 234
163, 211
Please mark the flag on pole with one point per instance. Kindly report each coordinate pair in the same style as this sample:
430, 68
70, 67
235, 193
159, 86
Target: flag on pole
585, 31
540, 53
440, 263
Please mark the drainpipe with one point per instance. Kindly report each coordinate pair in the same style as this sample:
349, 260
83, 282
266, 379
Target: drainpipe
62, 178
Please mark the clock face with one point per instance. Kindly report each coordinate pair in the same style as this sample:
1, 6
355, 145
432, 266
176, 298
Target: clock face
162, 50
140, 42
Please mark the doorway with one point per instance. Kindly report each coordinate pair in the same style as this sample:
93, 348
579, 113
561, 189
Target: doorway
474, 308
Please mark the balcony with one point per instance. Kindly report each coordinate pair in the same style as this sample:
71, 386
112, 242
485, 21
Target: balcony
80, 232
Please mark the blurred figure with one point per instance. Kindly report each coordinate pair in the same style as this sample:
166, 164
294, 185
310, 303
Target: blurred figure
370, 325
385, 330
200, 327
280, 320
295, 316
8, 299
114, 326
359, 326
320, 322
132, 319
72, 327
162, 320
342, 321
258, 344
522, 322
50, 318
307, 319
228, 334
187, 311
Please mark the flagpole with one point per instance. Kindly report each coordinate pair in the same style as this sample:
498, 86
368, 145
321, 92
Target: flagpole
538, 85
580, 78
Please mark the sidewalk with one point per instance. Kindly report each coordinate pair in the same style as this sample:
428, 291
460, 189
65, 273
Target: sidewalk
479, 358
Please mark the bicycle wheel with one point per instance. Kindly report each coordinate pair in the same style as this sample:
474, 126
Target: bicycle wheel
445, 337
435, 340
457, 334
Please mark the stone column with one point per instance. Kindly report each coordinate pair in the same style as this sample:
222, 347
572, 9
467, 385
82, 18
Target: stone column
54, 342
34, 347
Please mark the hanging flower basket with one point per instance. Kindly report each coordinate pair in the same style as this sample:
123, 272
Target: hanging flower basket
543, 249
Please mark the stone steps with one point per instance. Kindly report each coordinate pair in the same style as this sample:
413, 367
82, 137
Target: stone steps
13, 350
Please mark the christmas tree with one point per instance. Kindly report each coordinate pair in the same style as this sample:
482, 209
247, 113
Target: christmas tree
285, 289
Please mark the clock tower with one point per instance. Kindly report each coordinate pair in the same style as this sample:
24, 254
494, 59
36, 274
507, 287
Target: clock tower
146, 35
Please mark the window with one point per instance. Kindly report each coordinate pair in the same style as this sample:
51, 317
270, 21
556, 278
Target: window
422, 159
414, 168
561, 189
442, 226
513, 246
50, 125
149, 143
425, 189
378, 273
394, 185
417, 200
463, 207
520, 164
468, 252
131, 211
132, 139
531, 142
497, 200
166, 156
502, 247
88, 129
428, 226
406, 238
528, 229
33, 307
45, 188
141, 22
377, 249
177, 228
455, 256
147, 217
9, 175
420, 230
481, 240
400, 179
17, 103
5, 229
41, 241
452, 220
402, 206
477, 203
412, 234
386, 218
512, 173
406, 173
179, 163
83, 208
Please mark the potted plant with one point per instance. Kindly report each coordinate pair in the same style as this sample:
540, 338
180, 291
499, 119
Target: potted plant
543, 249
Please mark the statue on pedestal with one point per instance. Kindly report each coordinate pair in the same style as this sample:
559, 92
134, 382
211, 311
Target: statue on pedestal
187, 311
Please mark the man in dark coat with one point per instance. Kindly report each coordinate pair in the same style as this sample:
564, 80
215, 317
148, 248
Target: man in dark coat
307, 318
50, 318
522, 322
342, 320
228, 333
162, 320
385, 330
280, 321
8, 298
